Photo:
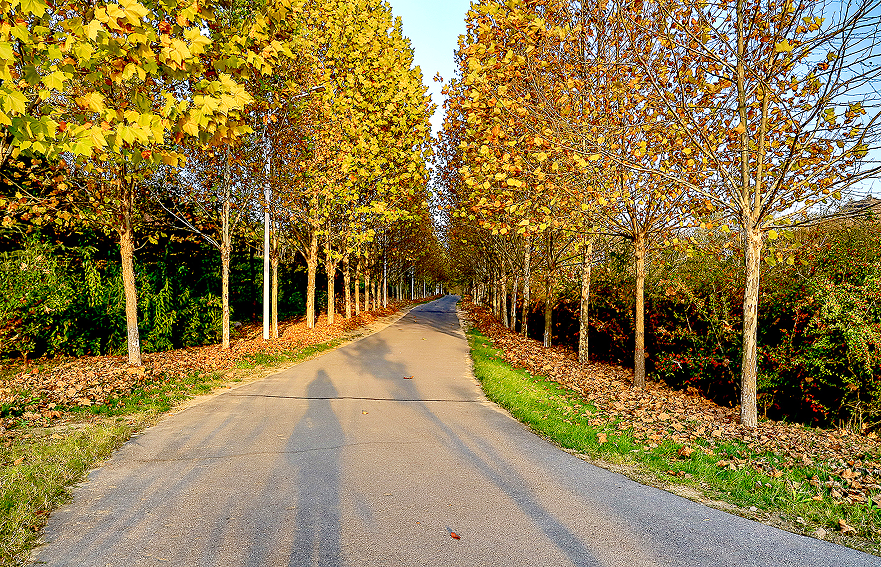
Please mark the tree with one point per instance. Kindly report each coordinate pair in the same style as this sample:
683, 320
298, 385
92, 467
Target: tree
771, 100
135, 79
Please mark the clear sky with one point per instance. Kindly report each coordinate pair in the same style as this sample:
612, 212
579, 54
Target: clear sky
433, 27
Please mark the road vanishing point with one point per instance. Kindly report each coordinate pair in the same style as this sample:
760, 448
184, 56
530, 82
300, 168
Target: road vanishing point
376, 453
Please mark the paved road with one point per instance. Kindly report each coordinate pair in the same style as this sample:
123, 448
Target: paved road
343, 461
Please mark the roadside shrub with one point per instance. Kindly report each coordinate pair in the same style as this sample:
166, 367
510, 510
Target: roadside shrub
37, 287
819, 328
819, 349
65, 301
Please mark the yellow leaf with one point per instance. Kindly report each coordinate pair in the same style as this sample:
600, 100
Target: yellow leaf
92, 29
93, 101
783, 47
772, 234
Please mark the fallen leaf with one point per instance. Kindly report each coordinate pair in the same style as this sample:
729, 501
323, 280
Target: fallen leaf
601, 438
846, 529
408, 377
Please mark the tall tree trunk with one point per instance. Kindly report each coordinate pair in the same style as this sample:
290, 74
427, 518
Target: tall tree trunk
503, 297
358, 286
384, 282
549, 311
513, 316
367, 287
583, 321
312, 268
127, 254
754, 240
527, 259
347, 282
639, 354
274, 315
330, 269
225, 253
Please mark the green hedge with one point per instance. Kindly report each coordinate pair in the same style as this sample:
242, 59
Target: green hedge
64, 301
819, 328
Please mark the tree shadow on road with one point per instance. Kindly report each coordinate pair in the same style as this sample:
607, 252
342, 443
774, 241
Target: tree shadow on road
373, 356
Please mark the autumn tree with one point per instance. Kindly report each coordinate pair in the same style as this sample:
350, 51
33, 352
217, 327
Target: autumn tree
137, 78
773, 99
554, 108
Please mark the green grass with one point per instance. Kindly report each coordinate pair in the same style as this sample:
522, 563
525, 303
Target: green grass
563, 417
37, 470
262, 359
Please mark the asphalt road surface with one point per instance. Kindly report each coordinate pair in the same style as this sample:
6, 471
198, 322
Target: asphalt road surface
374, 454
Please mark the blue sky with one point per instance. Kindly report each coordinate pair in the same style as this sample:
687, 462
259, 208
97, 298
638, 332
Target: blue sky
433, 28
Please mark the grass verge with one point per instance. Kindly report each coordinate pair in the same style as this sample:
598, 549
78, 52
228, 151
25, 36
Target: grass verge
795, 499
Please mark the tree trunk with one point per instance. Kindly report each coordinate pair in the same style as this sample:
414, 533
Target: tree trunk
384, 282
493, 288
225, 253
358, 286
754, 240
274, 315
347, 282
639, 354
127, 254
312, 268
330, 268
752, 235
549, 312
583, 321
367, 288
526, 279
503, 297
513, 316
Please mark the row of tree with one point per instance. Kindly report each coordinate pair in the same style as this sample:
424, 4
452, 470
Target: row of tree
116, 116
569, 121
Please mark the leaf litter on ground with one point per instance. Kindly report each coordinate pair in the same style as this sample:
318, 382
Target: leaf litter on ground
659, 413
43, 393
